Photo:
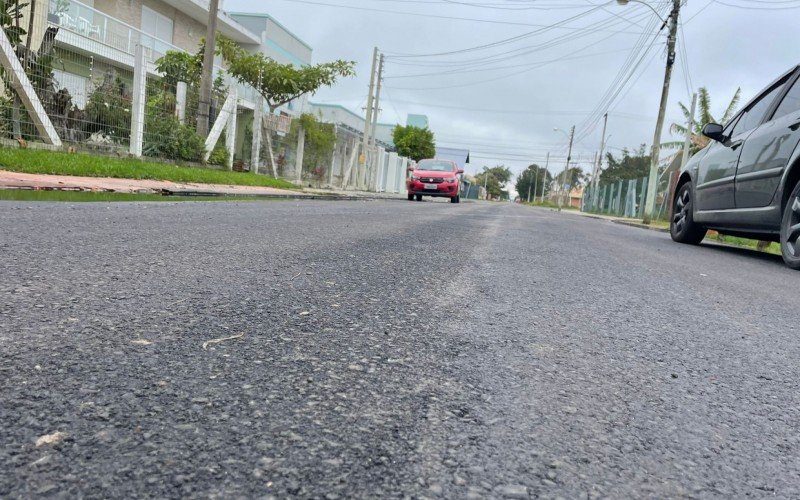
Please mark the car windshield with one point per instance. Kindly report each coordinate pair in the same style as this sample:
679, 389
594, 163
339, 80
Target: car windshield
435, 166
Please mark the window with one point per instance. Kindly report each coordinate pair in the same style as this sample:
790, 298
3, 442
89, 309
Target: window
156, 25
77, 86
755, 114
790, 103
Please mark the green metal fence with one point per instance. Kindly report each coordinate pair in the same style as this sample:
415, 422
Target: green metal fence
627, 198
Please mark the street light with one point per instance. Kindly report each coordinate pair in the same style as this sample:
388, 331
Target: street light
652, 181
625, 2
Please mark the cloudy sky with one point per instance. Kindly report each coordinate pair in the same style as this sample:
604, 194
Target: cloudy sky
497, 76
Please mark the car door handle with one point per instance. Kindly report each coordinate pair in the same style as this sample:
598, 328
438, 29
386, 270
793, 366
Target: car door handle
735, 145
794, 126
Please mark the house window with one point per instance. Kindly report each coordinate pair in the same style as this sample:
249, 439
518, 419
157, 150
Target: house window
77, 86
157, 25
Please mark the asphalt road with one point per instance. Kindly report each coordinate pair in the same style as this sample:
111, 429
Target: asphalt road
387, 349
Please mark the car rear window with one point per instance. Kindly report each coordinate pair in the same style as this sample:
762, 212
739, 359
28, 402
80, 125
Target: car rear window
435, 166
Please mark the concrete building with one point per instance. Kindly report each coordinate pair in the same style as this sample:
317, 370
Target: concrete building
419, 121
341, 116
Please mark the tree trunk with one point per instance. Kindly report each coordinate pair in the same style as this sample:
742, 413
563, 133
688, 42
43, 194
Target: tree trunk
16, 128
31, 16
271, 154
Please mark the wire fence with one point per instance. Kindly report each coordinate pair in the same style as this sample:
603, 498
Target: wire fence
75, 78
627, 198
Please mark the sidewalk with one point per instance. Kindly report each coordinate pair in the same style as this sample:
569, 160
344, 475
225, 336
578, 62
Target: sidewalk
619, 220
16, 180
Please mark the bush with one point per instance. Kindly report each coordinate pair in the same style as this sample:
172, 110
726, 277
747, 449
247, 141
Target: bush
165, 136
219, 156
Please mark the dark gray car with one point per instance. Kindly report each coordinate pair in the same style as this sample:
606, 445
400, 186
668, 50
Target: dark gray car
746, 182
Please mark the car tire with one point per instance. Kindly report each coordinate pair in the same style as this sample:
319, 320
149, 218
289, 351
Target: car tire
419, 197
790, 230
455, 199
410, 197
682, 227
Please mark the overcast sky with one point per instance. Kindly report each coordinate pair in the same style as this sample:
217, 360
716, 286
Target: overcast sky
544, 64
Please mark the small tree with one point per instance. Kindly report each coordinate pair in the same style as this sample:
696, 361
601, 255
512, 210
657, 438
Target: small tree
495, 179
279, 83
414, 142
534, 180
698, 140
630, 165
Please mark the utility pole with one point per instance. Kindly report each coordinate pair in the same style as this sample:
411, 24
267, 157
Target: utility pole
598, 165
689, 130
544, 174
566, 168
535, 185
377, 108
207, 77
652, 181
362, 160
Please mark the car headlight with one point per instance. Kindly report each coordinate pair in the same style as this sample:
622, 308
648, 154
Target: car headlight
414, 177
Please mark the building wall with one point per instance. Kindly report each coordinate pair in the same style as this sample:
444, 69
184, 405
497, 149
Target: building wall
186, 32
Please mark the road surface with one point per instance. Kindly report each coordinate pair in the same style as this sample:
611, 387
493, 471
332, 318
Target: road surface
387, 349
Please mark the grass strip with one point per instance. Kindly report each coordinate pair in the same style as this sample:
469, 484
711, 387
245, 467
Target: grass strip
32, 161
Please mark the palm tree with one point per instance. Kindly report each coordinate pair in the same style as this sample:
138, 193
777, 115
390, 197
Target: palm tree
698, 140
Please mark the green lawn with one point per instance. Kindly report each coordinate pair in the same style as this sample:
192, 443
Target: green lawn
58, 163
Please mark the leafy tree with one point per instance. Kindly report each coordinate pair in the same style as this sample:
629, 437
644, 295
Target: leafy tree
698, 140
280, 83
495, 179
320, 142
534, 180
630, 165
10, 17
177, 66
414, 142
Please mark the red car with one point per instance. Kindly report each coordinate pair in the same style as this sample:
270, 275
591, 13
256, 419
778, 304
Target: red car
435, 178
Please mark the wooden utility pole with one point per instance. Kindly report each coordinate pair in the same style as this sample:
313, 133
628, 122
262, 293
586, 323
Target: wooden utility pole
377, 107
652, 181
566, 168
362, 160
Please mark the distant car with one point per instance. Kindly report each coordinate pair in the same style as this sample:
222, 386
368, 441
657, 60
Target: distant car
747, 181
435, 178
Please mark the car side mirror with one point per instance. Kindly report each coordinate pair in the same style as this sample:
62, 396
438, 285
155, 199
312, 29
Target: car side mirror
714, 132
460, 171
411, 168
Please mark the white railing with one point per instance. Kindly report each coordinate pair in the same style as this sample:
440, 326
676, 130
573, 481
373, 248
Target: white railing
95, 25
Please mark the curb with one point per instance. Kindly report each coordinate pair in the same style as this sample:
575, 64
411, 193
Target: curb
206, 194
640, 226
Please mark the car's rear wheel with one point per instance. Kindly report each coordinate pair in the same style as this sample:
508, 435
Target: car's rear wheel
682, 227
410, 197
419, 197
455, 199
790, 230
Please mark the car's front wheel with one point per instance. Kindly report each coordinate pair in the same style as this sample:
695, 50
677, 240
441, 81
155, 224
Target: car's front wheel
455, 199
682, 227
790, 230
410, 197
419, 197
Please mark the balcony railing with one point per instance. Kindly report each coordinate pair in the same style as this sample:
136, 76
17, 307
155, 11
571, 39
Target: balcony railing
93, 24
86, 21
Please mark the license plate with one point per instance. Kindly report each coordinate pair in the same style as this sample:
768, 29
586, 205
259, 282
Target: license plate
431, 186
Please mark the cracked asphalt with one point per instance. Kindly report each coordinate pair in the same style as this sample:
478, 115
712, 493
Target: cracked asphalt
387, 349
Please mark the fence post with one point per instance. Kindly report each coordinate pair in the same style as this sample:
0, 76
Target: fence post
301, 150
230, 137
642, 197
255, 147
138, 101
25, 91
180, 102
